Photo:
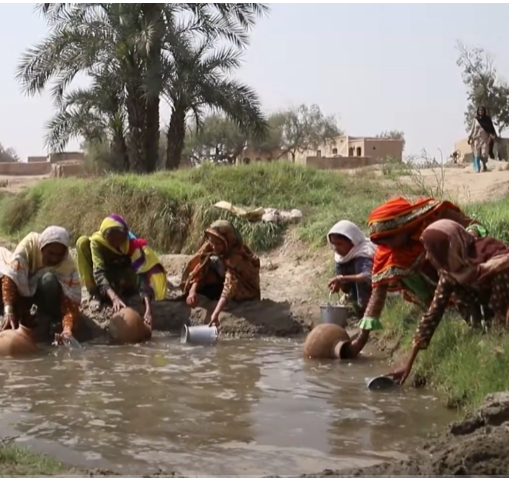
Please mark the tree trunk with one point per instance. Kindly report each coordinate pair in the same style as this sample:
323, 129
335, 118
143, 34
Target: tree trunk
175, 137
119, 153
152, 13
136, 138
152, 135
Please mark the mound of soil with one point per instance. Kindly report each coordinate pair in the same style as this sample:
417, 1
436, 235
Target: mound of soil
248, 319
282, 313
475, 446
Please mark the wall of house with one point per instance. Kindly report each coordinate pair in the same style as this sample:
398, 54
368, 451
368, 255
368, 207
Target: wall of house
66, 156
349, 146
37, 159
67, 170
381, 148
340, 162
24, 169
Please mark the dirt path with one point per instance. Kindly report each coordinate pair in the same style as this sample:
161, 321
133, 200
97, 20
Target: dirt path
15, 184
463, 184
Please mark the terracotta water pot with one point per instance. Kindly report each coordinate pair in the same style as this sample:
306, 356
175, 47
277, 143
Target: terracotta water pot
18, 342
128, 327
327, 341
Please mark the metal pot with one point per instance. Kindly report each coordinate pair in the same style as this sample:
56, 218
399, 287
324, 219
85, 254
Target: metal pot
199, 334
334, 314
381, 383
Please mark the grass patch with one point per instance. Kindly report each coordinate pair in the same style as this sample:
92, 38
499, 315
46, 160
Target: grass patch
172, 209
18, 460
462, 364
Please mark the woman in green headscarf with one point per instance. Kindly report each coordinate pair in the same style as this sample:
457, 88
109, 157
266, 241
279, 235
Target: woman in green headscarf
223, 269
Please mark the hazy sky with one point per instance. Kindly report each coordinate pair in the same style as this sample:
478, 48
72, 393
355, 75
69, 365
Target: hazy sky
377, 67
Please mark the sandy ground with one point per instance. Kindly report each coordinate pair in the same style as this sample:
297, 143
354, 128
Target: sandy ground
463, 184
16, 184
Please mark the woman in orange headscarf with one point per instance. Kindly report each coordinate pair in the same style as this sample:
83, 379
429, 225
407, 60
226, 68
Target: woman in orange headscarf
399, 263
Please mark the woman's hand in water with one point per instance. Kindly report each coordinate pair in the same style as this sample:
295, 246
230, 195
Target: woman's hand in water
192, 299
214, 320
400, 375
66, 333
59, 338
148, 318
9, 322
118, 305
335, 284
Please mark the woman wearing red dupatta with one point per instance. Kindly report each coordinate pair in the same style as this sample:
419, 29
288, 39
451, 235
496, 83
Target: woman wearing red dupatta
399, 263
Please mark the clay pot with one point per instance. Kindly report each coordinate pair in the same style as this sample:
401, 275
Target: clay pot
327, 341
128, 327
18, 342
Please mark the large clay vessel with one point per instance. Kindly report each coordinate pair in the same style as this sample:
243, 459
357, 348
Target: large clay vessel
327, 341
128, 327
18, 342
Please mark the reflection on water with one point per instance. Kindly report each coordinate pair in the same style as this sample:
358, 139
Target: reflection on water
240, 407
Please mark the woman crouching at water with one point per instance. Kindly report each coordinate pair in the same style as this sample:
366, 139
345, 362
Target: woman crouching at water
475, 271
40, 272
223, 269
354, 260
113, 262
399, 263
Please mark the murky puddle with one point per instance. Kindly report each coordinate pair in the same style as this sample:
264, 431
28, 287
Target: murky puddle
241, 407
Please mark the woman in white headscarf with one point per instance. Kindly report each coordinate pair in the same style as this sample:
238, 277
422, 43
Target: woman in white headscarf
353, 254
40, 272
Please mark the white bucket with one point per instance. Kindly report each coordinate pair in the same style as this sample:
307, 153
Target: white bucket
199, 334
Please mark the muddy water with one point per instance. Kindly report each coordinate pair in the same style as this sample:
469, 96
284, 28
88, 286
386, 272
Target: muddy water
242, 407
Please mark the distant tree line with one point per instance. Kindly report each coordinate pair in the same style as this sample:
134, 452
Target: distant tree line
8, 155
139, 56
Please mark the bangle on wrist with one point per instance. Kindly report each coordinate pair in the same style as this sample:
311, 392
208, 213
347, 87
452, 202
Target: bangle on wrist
8, 309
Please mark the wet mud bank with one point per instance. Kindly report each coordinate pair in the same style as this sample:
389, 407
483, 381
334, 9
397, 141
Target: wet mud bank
251, 319
274, 316
476, 445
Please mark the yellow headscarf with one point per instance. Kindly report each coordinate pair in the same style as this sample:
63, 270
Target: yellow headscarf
143, 259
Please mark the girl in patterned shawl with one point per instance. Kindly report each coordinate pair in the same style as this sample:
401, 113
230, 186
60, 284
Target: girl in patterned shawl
223, 269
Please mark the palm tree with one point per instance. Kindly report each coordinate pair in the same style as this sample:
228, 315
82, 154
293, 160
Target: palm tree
96, 114
126, 41
95, 39
196, 79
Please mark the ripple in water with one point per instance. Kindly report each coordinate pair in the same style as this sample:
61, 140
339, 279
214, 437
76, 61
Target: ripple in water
241, 407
